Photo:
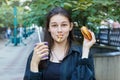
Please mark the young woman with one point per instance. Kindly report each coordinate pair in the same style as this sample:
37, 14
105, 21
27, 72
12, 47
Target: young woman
59, 57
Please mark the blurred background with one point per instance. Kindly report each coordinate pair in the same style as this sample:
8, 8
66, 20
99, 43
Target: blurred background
21, 21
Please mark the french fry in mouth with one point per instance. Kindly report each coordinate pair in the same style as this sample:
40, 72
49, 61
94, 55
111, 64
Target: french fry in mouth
60, 37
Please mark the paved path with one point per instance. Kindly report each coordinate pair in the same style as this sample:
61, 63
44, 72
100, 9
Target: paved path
13, 58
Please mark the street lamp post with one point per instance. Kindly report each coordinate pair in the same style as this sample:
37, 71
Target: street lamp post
15, 27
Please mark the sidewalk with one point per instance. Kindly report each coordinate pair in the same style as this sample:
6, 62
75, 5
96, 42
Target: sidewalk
13, 58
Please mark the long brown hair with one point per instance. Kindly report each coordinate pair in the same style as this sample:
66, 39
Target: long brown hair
47, 36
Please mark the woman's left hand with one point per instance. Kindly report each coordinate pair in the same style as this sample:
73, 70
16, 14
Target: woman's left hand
87, 44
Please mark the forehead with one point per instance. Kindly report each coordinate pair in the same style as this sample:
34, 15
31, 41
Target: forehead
58, 18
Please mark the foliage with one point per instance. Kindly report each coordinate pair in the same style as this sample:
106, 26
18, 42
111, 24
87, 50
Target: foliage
39, 9
7, 15
85, 12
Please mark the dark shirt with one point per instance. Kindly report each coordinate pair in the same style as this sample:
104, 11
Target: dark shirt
52, 72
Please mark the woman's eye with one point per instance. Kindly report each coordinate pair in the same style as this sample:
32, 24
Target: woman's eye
64, 25
54, 25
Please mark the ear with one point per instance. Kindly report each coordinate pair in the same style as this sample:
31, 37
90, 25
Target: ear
71, 26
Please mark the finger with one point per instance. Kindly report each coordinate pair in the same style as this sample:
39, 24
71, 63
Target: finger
41, 47
38, 45
93, 38
37, 51
42, 51
44, 54
44, 57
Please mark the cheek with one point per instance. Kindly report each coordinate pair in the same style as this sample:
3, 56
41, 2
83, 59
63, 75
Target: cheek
66, 33
52, 32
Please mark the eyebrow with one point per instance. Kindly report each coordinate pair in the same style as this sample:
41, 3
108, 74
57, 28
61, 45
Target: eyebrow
62, 22
65, 21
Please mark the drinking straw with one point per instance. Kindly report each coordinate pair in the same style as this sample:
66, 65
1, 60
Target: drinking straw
39, 34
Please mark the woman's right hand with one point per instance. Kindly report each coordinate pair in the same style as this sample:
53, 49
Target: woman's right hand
40, 53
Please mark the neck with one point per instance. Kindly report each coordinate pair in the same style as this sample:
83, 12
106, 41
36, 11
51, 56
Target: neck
59, 51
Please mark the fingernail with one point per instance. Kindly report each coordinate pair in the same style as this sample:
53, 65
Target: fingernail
45, 56
46, 43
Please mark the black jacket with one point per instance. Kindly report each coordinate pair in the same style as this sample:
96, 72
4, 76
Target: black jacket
72, 67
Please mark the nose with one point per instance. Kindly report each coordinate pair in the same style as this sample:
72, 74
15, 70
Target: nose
59, 29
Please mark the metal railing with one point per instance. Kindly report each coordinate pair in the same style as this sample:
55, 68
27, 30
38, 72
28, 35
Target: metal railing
106, 36
109, 37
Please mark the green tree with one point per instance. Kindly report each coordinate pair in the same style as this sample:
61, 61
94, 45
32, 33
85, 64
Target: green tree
7, 15
85, 12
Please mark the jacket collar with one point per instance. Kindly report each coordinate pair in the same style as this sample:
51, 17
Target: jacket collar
75, 47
